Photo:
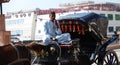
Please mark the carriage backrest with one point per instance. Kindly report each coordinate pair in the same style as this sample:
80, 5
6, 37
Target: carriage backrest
76, 28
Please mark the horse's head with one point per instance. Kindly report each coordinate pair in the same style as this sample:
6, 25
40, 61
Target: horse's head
36, 48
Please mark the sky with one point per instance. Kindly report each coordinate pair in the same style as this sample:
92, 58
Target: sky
18, 5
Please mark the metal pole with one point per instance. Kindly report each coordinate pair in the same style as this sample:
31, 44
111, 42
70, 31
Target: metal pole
0, 8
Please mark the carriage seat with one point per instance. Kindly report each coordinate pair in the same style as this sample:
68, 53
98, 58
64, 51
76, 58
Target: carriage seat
70, 44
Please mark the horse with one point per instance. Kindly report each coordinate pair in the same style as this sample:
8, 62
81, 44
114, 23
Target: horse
53, 52
15, 54
40, 50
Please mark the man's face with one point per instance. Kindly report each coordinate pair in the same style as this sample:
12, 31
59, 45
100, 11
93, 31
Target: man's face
52, 16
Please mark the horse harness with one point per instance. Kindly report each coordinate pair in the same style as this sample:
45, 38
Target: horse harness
18, 56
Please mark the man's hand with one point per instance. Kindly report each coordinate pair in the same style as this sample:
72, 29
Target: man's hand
54, 39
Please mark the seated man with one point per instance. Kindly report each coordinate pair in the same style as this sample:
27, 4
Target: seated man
52, 31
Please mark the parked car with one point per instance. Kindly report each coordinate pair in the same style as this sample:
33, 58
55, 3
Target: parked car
15, 39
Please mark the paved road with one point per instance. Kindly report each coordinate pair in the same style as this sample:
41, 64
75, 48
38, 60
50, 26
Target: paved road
118, 53
116, 48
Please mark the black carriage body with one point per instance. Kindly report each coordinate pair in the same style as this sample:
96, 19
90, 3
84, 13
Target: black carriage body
90, 28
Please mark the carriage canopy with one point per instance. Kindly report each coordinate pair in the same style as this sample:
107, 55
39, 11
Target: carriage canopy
96, 20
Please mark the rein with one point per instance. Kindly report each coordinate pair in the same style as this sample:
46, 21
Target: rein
18, 56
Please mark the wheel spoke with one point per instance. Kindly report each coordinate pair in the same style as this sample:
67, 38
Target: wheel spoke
110, 58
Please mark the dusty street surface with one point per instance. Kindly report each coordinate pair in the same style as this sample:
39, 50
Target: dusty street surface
118, 53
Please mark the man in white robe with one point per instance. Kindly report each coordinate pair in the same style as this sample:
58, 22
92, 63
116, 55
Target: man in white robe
52, 31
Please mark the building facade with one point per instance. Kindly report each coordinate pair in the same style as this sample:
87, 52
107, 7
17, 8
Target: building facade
22, 24
27, 25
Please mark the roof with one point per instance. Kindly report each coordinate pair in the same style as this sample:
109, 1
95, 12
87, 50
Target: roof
85, 17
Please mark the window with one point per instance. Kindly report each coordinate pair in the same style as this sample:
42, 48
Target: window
117, 16
24, 15
117, 28
20, 21
21, 15
16, 16
110, 29
14, 22
110, 16
17, 32
39, 31
29, 14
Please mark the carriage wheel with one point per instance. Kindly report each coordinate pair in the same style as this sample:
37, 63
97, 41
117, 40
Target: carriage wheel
110, 58
54, 54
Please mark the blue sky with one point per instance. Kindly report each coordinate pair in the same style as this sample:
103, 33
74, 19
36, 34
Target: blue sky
17, 5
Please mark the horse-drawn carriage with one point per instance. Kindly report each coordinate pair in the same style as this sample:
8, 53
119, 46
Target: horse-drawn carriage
88, 45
